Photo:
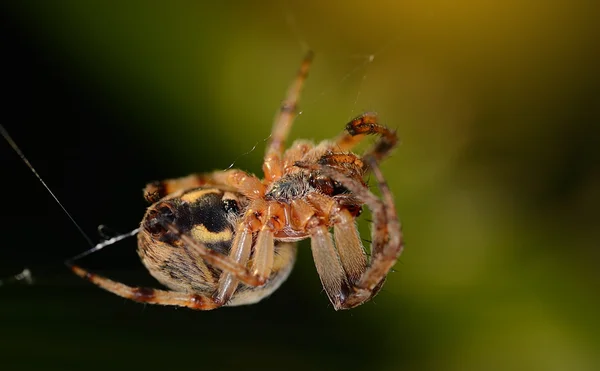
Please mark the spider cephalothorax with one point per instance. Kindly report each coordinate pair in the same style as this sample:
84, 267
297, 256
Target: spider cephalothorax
228, 237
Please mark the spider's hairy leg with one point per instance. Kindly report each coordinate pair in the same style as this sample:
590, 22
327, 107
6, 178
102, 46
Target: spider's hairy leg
272, 166
262, 262
240, 253
238, 180
154, 191
387, 243
295, 153
264, 248
217, 259
347, 241
345, 162
359, 128
328, 264
341, 266
148, 295
241, 247
349, 245
390, 242
244, 183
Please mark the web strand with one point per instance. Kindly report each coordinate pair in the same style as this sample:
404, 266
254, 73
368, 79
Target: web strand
102, 245
14, 146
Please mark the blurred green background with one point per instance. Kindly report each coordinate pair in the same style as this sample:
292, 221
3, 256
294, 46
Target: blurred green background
496, 181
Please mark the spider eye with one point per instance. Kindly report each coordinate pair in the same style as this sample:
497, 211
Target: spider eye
158, 218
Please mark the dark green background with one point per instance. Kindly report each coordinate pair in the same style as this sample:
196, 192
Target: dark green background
496, 181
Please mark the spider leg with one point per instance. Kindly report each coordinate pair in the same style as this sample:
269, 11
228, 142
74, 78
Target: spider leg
244, 183
264, 248
237, 180
329, 266
341, 266
387, 241
272, 166
359, 128
233, 263
388, 236
295, 153
347, 163
148, 295
349, 245
154, 191
240, 253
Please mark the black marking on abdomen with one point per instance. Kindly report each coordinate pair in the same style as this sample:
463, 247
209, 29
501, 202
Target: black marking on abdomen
208, 211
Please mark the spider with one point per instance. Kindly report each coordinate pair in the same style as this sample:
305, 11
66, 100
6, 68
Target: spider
228, 238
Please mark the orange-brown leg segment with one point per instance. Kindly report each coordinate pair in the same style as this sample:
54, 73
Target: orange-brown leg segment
295, 153
367, 124
272, 166
224, 262
148, 295
339, 267
347, 163
264, 248
264, 253
386, 244
329, 266
237, 180
349, 245
389, 242
240, 253
156, 190
242, 182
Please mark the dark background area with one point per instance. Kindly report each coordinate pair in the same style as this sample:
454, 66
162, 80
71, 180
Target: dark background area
496, 181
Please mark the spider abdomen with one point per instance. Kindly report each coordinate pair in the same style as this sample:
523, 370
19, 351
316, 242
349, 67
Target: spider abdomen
208, 216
